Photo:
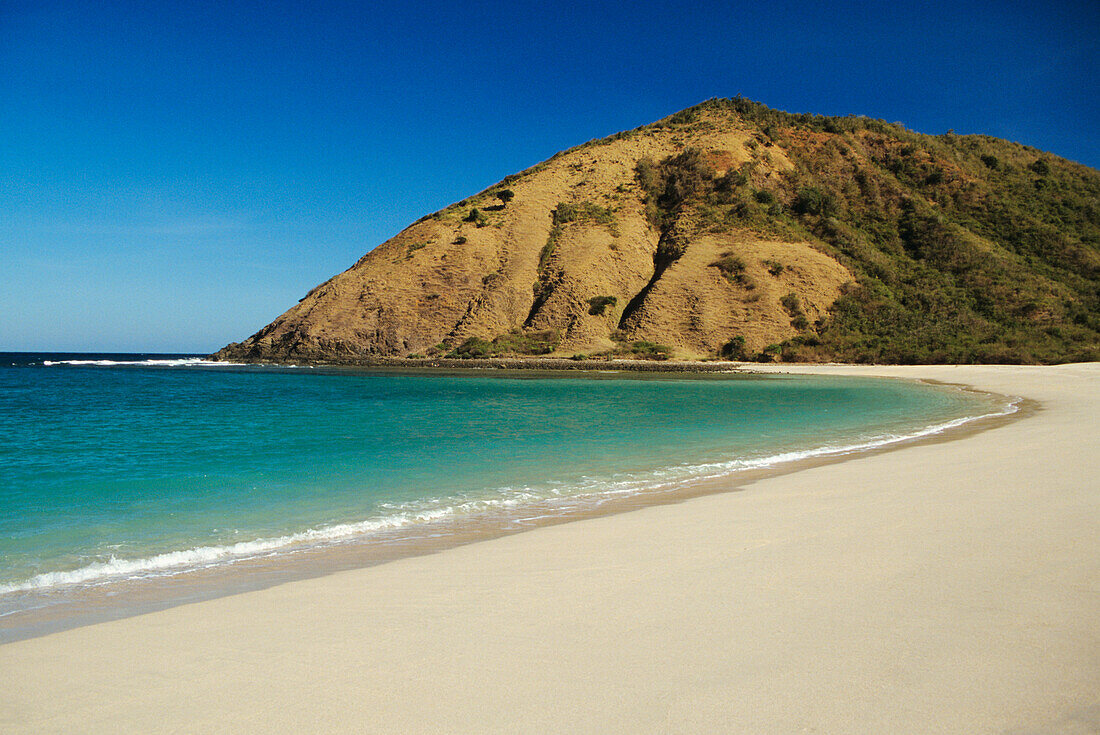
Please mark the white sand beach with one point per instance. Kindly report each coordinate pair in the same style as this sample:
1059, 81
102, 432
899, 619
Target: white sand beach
942, 587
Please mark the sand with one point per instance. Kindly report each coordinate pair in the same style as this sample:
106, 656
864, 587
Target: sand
949, 587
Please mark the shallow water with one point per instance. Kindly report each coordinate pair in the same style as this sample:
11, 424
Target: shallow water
118, 468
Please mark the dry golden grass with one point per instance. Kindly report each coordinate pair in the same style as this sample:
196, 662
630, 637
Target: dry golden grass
445, 279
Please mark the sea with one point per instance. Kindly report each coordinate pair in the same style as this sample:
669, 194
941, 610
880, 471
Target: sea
131, 482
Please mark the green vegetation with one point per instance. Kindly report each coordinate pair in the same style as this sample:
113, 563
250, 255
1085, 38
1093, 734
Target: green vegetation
460, 240
583, 212
734, 349
505, 196
597, 304
813, 200
548, 250
673, 181
648, 350
729, 264
413, 247
638, 349
516, 342
477, 217
774, 266
793, 307
688, 184
733, 268
964, 248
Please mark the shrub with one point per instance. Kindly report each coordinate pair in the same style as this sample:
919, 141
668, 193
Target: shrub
816, 201
769, 353
991, 162
729, 265
650, 350
477, 217
474, 347
597, 304
460, 240
734, 349
505, 196
793, 307
526, 343
765, 197
548, 249
585, 211
647, 174
1040, 167
514, 342
791, 304
774, 266
733, 268
673, 181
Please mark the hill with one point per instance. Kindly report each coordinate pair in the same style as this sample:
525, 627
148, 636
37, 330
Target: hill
730, 229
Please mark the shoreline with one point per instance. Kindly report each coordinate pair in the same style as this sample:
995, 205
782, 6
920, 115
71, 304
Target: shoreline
74, 605
548, 364
944, 585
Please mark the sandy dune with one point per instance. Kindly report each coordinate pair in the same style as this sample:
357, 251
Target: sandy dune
948, 587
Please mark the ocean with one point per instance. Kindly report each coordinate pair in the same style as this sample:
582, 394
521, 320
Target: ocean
122, 469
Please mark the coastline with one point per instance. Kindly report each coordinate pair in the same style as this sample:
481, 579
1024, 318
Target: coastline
208, 572
548, 363
940, 586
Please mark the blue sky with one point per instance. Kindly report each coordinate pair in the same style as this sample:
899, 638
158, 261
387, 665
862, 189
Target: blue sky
175, 175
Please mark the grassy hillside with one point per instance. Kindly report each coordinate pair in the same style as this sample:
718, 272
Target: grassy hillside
965, 248
733, 230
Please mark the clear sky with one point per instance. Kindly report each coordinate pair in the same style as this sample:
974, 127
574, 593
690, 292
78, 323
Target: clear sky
173, 175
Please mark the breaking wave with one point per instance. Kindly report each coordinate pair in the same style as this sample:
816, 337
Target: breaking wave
174, 362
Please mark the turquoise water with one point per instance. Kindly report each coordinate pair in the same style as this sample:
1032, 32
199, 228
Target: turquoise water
129, 468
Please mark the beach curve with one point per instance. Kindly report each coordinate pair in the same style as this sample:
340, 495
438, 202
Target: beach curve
937, 588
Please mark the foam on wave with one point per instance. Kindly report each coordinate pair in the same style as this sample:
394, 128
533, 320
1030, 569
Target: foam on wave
173, 362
